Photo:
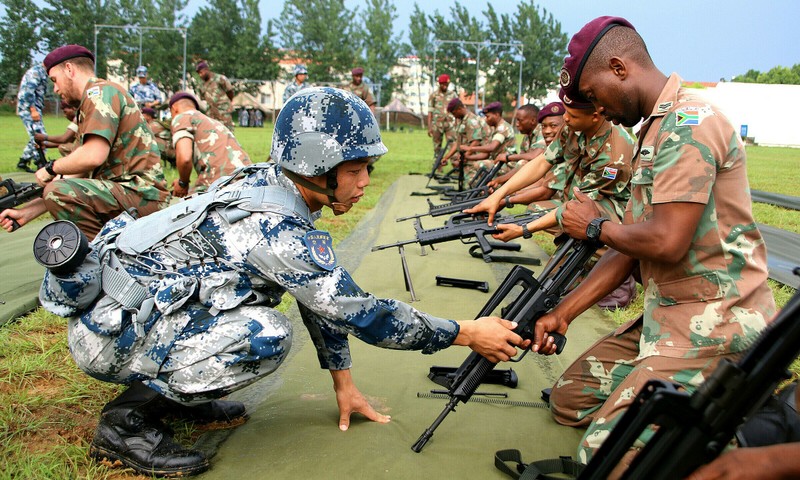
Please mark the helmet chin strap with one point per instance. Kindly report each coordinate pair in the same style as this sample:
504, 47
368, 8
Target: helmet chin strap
336, 206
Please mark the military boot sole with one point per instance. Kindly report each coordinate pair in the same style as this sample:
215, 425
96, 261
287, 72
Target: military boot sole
114, 460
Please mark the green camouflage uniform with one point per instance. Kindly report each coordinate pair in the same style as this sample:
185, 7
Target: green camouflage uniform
503, 132
131, 177
361, 91
442, 121
600, 167
215, 93
215, 151
468, 129
163, 138
707, 306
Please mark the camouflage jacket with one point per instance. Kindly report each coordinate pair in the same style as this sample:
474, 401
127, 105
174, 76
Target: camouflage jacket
293, 88
215, 151
504, 134
163, 137
599, 166
471, 128
533, 141
441, 119
148, 92
32, 89
106, 110
715, 300
254, 261
361, 91
214, 92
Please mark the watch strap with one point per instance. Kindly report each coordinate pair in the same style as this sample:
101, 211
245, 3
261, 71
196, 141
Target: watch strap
48, 167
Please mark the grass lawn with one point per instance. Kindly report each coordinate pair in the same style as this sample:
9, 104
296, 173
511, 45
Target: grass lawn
48, 409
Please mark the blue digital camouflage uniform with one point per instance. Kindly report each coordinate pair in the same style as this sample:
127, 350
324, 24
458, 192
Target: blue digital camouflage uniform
145, 93
32, 89
213, 327
293, 88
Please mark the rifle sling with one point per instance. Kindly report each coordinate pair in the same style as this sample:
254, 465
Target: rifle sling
566, 467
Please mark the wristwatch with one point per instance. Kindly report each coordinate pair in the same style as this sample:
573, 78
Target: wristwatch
48, 167
183, 184
525, 232
595, 227
508, 201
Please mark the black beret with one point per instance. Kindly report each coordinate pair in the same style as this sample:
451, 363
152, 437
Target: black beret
64, 53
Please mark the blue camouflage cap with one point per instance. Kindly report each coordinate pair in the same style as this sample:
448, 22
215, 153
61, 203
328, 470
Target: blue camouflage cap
300, 70
141, 71
321, 127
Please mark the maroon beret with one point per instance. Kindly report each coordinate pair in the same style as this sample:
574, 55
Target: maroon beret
552, 109
201, 65
182, 95
581, 46
493, 107
580, 103
64, 53
357, 71
149, 111
453, 104
444, 78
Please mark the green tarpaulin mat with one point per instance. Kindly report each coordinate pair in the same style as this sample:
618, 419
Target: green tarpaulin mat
293, 430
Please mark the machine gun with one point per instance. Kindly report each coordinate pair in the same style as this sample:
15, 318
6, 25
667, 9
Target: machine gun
538, 297
693, 429
468, 229
13, 194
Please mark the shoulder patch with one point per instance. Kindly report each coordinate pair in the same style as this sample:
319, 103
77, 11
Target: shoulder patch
646, 152
320, 247
93, 92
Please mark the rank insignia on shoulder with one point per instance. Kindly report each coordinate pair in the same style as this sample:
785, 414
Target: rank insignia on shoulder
320, 247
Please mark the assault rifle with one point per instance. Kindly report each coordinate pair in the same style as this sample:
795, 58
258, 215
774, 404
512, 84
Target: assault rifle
456, 206
437, 162
693, 429
13, 194
469, 229
538, 297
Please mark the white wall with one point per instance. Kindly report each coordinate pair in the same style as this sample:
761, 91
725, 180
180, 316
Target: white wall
769, 111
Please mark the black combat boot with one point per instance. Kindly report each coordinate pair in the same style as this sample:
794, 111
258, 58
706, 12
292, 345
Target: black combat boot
130, 432
23, 165
220, 413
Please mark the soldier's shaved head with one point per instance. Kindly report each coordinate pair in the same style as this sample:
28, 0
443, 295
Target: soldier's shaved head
620, 42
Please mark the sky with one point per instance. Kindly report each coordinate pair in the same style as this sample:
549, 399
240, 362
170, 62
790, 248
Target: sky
702, 40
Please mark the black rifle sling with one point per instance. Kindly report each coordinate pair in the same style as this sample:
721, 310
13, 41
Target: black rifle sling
565, 467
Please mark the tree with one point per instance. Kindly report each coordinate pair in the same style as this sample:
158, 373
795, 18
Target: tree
381, 47
544, 46
322, 34
20, 40
162, 50
776, 75
67, 21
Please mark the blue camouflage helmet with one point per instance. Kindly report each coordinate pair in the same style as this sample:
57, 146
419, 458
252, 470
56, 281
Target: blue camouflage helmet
300, 70
319, 128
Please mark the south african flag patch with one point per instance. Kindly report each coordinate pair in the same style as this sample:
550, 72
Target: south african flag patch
687, 118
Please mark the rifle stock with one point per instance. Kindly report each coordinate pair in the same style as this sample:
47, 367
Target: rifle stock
538, 297
694, 429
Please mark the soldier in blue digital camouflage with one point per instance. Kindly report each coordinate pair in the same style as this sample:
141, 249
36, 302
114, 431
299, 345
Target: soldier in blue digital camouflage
145, 92
30, 104
187, 313
299, 82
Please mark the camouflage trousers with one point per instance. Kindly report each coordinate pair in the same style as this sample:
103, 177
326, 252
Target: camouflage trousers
90, 203
437, 134
30, 153
600, 385
189, 355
